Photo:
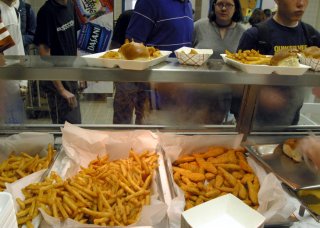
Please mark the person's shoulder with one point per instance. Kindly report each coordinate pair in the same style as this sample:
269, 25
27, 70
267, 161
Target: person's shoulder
201, 22
240, 27
45, 8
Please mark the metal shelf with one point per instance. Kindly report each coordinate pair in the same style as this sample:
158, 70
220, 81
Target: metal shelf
75, 68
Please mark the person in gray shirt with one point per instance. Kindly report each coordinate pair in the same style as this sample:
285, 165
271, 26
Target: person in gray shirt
221, 30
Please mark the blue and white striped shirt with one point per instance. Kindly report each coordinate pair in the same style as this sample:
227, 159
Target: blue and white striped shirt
165, 24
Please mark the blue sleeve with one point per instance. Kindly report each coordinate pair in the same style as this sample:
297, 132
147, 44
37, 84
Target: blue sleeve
142, 21
249, 40
31, 29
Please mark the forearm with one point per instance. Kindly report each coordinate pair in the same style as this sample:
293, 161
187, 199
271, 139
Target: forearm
59, 86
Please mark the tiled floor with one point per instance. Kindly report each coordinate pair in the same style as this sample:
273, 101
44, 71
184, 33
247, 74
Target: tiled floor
94, 110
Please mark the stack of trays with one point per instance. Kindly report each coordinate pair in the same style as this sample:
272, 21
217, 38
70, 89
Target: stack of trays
7, 212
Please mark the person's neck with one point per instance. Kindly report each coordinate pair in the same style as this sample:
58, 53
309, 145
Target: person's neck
285, 22
8, 2
61, 2
221, 24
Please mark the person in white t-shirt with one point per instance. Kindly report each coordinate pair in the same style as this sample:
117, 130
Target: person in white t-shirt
13, 103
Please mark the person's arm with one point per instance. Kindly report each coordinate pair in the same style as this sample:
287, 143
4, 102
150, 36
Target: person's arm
44, 50
31, 29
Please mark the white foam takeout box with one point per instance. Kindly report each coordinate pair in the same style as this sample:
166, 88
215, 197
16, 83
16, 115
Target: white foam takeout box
312, 62
265, 69
224, 211
193, 59
7, 212
95, 60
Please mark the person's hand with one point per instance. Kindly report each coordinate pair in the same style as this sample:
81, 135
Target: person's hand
71, 98
310, 148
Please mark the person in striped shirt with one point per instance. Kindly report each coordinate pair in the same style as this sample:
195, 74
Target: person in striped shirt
166, 25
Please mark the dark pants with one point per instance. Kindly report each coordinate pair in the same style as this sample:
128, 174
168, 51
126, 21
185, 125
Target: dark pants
129, 96
60, 110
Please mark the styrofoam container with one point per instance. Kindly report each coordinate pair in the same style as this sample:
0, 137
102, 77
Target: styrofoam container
224, 211
11, 220
313, 63
94, 60
193, 59
7, 213
266, 69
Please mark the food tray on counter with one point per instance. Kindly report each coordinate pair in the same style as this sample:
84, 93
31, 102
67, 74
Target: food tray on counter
265, 69
184, 57
95, 60
295, 175
63, 163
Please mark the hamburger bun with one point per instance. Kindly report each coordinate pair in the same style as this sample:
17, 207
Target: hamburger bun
285, 58
312, 52
290, 148
134, 51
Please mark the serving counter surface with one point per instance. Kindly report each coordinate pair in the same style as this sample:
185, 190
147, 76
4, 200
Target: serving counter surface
212, 72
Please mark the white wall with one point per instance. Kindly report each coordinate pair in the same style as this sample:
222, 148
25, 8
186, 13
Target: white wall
311, 15
268, 4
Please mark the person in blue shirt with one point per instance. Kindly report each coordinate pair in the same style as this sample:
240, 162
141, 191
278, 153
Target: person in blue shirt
166, 25
279, 105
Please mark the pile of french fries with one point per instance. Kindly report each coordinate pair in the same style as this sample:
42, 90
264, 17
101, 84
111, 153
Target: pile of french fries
108, 193
18, 166
252, 57
205, 176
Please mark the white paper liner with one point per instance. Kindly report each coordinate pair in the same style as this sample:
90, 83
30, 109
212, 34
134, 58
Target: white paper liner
193, 59
271, 207
31, 143
314, 63
81, 146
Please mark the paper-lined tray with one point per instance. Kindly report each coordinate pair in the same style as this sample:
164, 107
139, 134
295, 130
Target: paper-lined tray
201, 56
271, 205
265, 69
296, 175
81, 146
95, 60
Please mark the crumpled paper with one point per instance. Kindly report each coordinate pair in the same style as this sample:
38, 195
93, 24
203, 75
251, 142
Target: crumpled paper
274, 203
31, 143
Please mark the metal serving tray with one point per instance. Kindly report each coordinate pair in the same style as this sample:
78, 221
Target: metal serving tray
295, 175
305, 200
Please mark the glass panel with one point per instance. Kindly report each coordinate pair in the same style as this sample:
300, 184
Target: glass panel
125, 103
280, 106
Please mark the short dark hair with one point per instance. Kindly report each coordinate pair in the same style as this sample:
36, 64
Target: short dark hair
257, 16
267, 12
237, 16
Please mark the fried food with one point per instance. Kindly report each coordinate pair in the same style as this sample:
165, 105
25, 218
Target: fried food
108, 193
205, 176
19, 166
111, 55
252, 57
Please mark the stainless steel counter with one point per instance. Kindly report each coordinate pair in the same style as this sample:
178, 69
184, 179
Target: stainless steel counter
75, 68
